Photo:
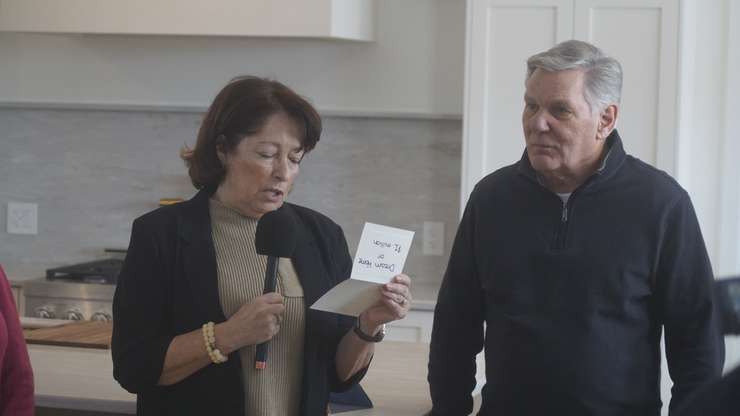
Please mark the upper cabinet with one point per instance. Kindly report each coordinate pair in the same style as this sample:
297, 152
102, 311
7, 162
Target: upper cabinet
328, 19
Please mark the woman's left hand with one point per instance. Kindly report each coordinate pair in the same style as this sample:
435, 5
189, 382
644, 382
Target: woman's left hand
394, 304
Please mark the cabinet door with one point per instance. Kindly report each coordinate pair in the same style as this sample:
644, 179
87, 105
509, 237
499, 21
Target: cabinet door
342, 19
17, 292
501, 35
415, 327
643, 36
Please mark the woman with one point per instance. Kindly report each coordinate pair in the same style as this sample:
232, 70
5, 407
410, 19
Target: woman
16, 376
189, 310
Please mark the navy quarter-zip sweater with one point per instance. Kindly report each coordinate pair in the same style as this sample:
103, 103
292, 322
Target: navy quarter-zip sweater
574, 297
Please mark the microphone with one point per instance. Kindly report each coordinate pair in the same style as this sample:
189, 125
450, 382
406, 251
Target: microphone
275, 238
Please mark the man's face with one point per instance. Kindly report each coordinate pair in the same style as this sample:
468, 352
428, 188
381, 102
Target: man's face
562, 135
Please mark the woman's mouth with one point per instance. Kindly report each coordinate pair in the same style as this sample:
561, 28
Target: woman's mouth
274, 194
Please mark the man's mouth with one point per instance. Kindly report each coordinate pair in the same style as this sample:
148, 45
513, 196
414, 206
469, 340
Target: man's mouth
542, 147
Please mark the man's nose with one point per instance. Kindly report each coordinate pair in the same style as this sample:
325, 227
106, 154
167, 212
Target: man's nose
539, 121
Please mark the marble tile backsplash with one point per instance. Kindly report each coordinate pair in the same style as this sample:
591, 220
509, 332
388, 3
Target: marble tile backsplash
92, 172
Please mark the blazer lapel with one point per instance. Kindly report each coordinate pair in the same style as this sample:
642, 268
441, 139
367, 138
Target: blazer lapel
307, 260
199, 255
201, 270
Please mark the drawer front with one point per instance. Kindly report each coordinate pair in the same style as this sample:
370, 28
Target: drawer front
17, 298
415, 327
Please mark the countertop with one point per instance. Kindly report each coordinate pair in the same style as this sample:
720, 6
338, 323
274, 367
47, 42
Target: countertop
81, 379
424, 293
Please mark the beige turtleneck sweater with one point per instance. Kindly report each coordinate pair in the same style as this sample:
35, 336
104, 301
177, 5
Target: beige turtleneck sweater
276, 390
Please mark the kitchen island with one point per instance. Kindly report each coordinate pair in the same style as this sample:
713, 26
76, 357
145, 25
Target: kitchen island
81, 379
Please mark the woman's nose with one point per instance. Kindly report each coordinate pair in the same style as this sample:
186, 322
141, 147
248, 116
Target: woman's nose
281, 168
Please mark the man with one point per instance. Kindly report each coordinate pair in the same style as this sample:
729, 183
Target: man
718, 398
575, 258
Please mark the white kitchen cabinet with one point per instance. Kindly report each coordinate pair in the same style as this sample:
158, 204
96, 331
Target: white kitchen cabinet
415, 327
340, 19
502, 34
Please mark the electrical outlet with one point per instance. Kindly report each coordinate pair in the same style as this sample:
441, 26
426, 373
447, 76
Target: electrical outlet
433, 243
22, 218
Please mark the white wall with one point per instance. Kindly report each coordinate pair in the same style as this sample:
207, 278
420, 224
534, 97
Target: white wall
701, 111
415, 67
708, 151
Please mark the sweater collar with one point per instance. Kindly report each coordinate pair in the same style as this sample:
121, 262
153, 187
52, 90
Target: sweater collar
610, 163
196, 219
199, 254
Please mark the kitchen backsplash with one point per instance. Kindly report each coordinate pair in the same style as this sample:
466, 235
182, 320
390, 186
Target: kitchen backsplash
92, 172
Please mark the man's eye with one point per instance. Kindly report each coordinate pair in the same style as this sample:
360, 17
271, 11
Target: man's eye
530, 106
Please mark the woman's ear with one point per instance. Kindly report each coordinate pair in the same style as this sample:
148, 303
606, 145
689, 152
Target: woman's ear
607, 121
220, 149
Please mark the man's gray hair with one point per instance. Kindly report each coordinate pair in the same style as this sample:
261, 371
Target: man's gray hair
603, 81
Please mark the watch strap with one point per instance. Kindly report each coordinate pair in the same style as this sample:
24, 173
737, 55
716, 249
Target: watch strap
368, 338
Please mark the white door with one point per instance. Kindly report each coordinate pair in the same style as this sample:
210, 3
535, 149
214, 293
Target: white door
501, 35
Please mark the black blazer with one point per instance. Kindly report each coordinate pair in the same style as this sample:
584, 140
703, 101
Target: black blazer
169, 286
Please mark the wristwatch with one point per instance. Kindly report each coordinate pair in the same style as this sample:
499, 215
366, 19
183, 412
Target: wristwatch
369, 338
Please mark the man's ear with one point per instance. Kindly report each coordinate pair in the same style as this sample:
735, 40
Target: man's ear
607, 121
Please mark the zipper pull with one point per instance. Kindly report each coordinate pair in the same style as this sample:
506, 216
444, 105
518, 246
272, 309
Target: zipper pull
564, 218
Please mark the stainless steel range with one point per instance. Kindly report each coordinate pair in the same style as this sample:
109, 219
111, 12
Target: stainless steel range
78, 292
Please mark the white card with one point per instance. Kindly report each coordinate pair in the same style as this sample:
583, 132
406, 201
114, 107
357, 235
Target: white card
350, 297
380, 255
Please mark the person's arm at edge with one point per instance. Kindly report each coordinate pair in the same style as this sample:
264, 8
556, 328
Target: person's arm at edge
17, 376
457, 334
693, 341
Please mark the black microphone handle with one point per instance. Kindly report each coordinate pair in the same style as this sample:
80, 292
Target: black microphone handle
260, 357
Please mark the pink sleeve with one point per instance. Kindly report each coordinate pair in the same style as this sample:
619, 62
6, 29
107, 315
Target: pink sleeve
16, 375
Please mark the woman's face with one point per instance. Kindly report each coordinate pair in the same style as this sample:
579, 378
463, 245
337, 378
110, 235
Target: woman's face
261, 169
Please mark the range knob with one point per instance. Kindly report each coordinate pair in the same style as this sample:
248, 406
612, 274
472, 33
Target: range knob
45, 312
74, 315
101, 316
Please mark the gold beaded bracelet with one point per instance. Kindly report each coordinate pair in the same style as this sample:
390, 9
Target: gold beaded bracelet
209, 336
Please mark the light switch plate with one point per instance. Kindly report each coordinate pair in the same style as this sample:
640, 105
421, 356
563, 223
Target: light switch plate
22, 218
433, 243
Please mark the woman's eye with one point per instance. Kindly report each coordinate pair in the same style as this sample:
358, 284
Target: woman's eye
265, 155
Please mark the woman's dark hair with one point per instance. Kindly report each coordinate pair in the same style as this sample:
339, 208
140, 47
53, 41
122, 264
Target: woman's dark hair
240, 109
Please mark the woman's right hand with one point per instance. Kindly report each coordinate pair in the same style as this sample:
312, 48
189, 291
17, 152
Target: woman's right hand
255, 322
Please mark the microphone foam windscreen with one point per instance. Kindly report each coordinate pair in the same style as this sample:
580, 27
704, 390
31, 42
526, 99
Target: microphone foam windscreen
276, 234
